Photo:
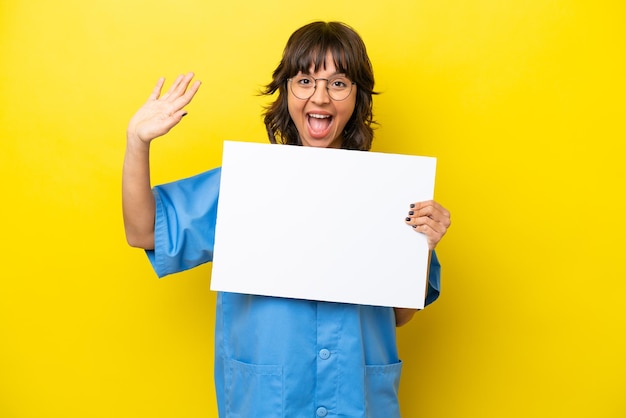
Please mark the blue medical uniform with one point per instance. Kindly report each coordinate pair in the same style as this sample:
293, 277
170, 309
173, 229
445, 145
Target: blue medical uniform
280, 357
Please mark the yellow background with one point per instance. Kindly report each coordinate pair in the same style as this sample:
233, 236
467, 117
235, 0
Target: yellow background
521, 101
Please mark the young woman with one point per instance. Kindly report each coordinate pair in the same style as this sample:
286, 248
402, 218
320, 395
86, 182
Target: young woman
278, 357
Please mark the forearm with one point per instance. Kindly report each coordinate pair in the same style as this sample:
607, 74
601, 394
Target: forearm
137, 199
403, 315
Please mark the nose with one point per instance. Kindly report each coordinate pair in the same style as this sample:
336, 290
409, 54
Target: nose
320, 94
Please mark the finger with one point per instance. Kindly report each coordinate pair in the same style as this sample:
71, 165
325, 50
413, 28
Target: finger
156, 91
173, 87
431, 223
437, 214
431, 209
184, 83
427, 206
424, 211
177, 116
182, 86
189, 94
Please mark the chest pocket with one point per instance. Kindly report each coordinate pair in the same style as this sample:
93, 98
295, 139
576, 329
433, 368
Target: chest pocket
253, 391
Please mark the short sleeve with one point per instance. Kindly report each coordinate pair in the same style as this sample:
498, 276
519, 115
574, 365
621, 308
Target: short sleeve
434, 279
184, 230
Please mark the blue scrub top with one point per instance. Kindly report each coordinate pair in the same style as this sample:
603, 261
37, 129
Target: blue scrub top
279, 357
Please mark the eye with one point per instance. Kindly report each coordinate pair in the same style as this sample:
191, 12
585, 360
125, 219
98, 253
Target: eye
304, 81
339, 83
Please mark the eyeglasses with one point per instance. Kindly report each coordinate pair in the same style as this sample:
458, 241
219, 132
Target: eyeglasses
303, 86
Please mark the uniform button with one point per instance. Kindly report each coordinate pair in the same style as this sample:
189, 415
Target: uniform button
324, 354
321, 411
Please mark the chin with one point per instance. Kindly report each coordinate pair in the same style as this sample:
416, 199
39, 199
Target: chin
318, 144
322, 143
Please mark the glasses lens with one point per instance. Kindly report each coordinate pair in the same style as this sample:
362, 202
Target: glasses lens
303, 87
339, 88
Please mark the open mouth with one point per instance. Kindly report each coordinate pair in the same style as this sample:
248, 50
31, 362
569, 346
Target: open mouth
319, 124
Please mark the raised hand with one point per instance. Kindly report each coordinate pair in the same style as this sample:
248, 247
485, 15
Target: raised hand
155, 118
161, 113
429, 218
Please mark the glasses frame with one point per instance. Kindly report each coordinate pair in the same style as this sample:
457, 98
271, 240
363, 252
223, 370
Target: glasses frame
315, 80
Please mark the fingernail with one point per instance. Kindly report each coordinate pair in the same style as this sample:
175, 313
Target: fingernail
412, 205
184, 114
414, 226
407, 219
411, 212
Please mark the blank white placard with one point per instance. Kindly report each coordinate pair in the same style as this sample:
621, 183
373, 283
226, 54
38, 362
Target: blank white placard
321, 224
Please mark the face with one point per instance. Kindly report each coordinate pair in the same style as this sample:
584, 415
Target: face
319, 119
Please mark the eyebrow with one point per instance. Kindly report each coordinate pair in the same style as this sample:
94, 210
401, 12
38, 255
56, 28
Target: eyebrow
335, 74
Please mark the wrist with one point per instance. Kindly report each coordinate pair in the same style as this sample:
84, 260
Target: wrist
134, 143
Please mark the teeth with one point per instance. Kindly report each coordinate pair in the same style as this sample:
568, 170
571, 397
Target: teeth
318, 116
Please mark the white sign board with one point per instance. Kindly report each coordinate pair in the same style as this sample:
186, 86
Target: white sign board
321, 224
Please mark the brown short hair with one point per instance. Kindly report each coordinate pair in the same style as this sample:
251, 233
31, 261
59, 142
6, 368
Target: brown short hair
308, 46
